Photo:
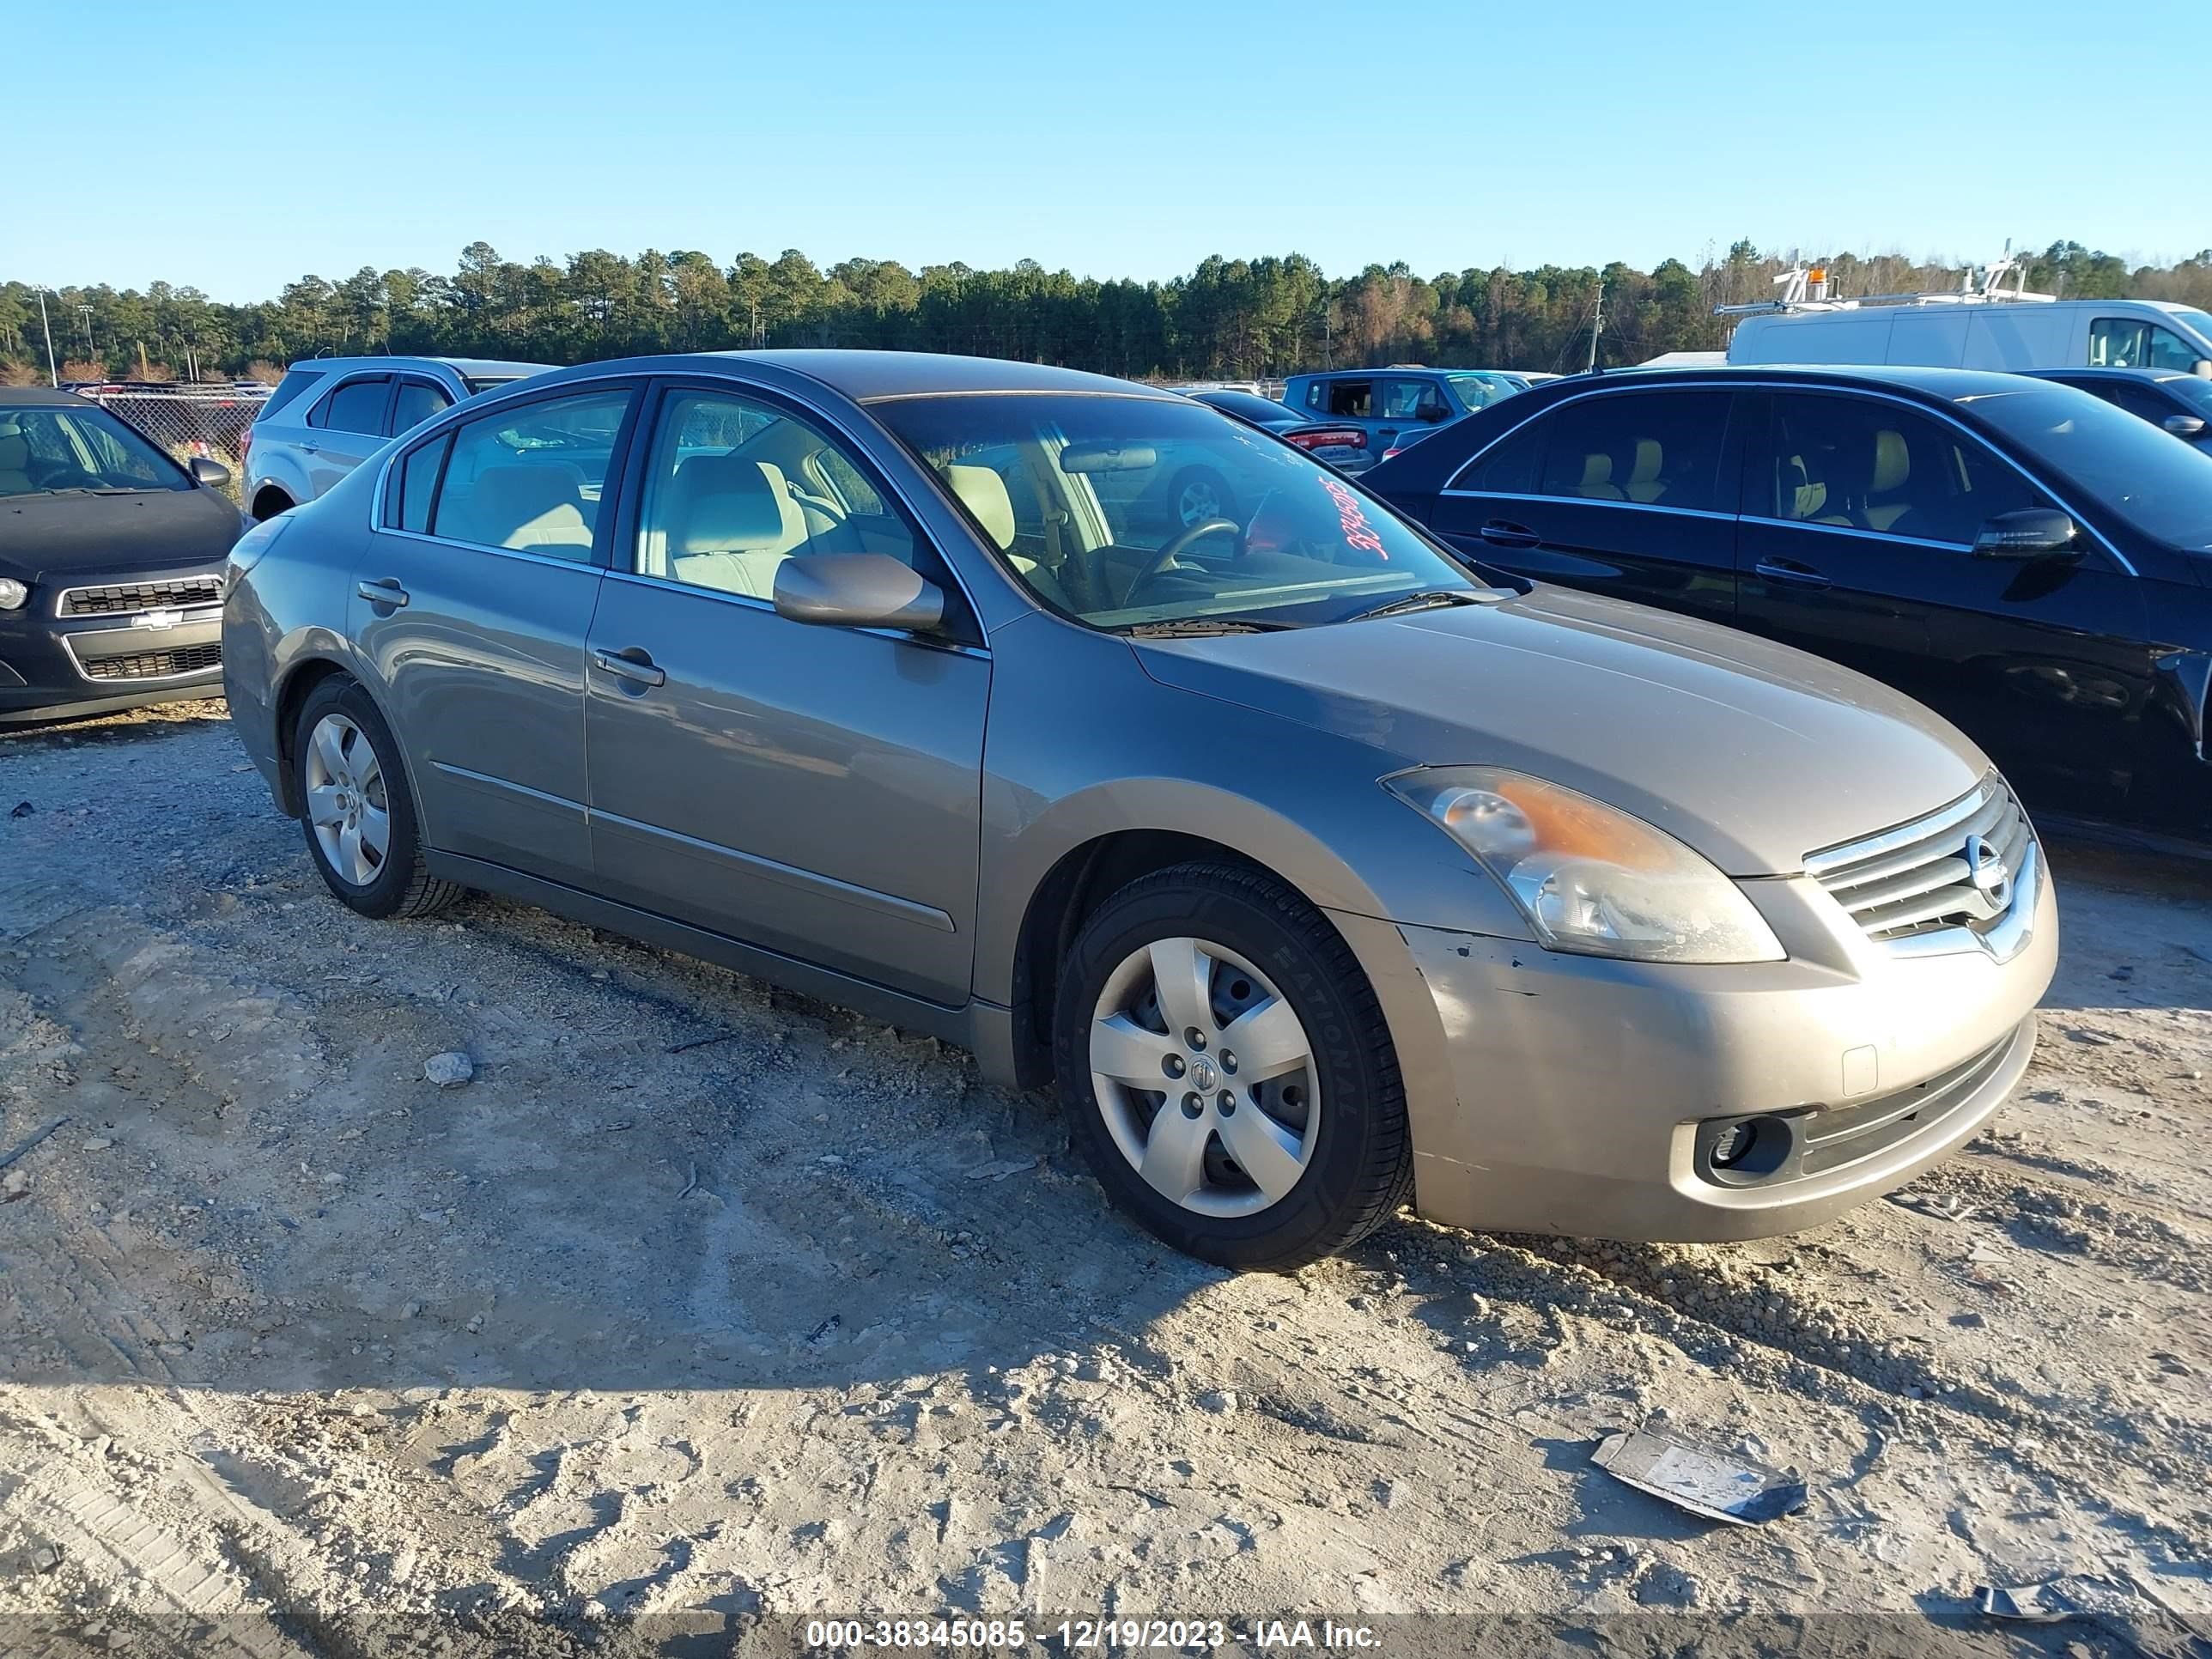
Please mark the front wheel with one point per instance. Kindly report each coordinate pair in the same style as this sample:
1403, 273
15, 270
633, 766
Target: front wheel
1227, 1071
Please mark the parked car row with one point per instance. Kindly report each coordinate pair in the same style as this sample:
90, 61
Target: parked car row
1339, 850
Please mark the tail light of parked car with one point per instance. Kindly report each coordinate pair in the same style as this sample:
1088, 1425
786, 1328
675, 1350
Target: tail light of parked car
1330, 437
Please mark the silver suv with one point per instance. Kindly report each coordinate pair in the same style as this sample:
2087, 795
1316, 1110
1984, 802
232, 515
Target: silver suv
328, 413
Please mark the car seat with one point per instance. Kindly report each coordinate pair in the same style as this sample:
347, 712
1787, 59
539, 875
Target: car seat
1645, 483
983, 493
728, 523
14, 462
524, 505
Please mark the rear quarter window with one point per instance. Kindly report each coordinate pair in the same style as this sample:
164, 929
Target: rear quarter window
288, 391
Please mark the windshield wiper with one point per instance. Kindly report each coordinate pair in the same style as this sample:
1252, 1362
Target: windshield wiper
1429, 598
1196, 628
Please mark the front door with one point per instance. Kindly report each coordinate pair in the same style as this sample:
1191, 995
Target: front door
1629, 495
472, 604
814, 790
1860, 514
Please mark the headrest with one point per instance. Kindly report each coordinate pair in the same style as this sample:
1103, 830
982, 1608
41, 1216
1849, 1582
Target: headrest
724, 504
1648, 456
15, 451
1596, 470
523, 506
1892, 461
983, 493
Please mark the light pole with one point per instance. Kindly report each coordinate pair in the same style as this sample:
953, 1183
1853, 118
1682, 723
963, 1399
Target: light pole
53, 373
91, 353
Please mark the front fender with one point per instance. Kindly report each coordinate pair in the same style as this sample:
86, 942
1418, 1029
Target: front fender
1111, 750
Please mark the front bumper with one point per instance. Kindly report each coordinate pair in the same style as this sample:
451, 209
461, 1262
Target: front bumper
111, 639
1559, 1094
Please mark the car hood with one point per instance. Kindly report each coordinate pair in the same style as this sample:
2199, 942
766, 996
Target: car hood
58, 536
1753, 753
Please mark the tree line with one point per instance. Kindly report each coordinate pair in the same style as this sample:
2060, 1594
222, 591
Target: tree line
1230, 318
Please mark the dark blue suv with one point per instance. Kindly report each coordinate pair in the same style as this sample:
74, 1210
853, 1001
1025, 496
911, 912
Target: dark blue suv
1402, 402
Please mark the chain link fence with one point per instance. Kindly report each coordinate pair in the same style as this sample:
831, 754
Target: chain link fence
188, 420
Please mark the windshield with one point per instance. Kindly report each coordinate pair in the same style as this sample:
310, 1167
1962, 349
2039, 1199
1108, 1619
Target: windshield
1250, 406
489, 382
1480, 390
1120, 512
48, 450
2118, 460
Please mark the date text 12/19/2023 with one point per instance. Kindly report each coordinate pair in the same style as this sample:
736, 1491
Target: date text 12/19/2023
1085, 1635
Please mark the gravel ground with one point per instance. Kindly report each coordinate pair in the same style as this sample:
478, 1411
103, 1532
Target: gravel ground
699, 1301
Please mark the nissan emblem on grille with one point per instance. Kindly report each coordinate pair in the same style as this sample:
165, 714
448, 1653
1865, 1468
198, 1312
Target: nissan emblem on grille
1985, 868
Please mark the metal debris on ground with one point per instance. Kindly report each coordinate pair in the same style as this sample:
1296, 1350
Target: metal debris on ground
23, 809
2035, 1604
1698, 1481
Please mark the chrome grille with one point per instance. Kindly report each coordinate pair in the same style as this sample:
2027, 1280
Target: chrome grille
120, 598
1917, 878
155, 665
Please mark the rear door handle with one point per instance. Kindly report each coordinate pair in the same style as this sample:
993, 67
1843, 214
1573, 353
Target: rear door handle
386, 590
1503, 533
310, 449
631, 663
1791, 575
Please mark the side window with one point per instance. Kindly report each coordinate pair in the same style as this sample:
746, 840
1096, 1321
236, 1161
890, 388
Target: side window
2167, 350
416, 401
734, 488
529, 476
1861, 463
1509, 468
2139, 401
1655, 448
1350, 399
414, 484
1404, 400
355, 406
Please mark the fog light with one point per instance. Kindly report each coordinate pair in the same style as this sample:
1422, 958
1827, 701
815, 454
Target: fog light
1734, 1143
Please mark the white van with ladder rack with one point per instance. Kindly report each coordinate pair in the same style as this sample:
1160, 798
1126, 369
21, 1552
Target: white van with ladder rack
1990, 323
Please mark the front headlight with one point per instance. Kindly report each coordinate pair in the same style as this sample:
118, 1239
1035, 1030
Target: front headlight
12, 593
1589, 877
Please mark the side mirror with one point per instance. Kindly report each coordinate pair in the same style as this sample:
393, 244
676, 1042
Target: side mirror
2036, 532
2184, 426
214, 474
857, 590
2201, 368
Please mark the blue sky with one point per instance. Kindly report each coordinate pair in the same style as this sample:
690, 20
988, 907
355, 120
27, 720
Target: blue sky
1124, 139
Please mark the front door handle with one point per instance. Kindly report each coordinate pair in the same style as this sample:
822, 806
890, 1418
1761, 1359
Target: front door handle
631, 663
1503, 533
386, 590
1791, 574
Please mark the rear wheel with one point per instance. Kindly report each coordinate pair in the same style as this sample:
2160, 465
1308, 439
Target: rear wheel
1226, 1070
359, 817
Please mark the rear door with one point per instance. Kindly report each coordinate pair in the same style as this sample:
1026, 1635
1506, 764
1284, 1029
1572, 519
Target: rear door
1860, 513
472, 604
1630, 493
1408, 408
347, 424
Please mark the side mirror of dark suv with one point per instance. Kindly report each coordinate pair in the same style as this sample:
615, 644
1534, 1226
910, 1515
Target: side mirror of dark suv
2035, 533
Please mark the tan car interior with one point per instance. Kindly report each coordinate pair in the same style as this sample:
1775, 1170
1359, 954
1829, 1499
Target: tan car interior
1642, 477
14, 462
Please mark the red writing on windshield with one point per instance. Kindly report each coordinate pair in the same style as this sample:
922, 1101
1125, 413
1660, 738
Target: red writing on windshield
1358, 533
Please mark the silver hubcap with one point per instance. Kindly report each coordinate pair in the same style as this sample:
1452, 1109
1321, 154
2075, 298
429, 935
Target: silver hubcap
1204, 1077
1198, 501
346, 800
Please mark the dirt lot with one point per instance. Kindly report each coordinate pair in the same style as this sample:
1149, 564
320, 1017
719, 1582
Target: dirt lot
701, 1299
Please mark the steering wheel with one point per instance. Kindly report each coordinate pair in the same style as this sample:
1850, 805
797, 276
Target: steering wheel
1175, 544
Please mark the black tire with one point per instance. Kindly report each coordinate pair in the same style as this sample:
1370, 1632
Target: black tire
1361, 1171
1200, 482
402, 887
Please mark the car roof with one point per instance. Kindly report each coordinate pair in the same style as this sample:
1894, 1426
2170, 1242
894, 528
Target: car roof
464, 366
2112, 373
876, 376
35, 397
1950, 385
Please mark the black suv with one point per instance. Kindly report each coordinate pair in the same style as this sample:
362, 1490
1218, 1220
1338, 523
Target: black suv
2021, 557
